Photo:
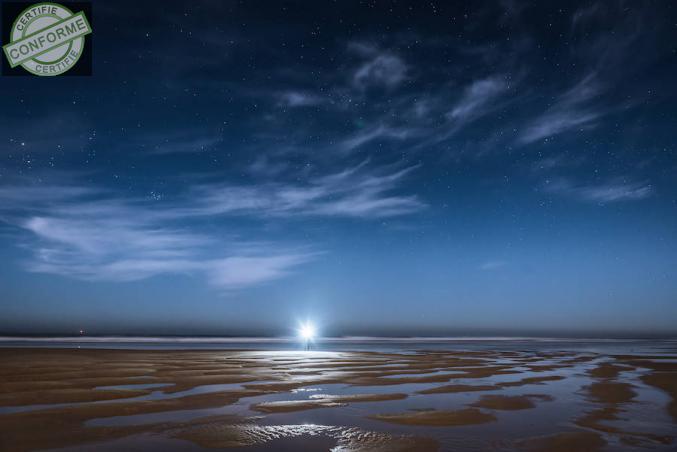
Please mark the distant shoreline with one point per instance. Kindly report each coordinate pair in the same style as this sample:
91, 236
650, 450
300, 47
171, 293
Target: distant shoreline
236, 339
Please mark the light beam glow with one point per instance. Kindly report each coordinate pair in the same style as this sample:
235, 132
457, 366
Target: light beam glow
307, 331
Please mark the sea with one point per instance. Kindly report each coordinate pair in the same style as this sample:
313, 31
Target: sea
380, 344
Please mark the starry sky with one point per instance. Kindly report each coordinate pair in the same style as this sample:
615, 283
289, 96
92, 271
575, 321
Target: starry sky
380, 168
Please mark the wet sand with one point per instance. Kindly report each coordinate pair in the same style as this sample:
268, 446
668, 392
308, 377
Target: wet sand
322, 401
458, 388
615, 398
358, 401
530, 381
666, 381
213, 434
501, 402
468, 416
565, 442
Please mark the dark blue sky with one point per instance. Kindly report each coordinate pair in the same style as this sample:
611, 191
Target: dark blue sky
380, 168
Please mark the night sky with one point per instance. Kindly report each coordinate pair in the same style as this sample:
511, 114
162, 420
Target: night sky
422, 168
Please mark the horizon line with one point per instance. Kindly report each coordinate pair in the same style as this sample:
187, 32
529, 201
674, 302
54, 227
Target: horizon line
284, 339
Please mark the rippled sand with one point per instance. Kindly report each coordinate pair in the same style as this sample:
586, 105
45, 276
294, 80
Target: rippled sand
439, 418
344, 401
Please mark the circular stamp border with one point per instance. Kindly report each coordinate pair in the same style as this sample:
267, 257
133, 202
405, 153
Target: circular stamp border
42, 74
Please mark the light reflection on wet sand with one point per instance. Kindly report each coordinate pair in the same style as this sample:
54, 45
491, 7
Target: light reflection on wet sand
272, 400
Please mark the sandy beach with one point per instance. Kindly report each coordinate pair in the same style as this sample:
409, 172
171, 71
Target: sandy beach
84, 399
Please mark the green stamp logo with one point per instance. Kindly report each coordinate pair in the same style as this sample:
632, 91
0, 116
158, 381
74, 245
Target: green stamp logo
47, 39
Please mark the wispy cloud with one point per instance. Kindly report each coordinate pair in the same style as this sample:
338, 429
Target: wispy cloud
492, 265
477, 100
88, 233
477, 97
236, 272
367, 195
375, 133
118, 241
299, 99
27, 196
381, 68
573, 110
353, 192
556, 162
602, 193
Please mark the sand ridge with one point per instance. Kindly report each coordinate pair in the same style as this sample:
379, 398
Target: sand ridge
438, 418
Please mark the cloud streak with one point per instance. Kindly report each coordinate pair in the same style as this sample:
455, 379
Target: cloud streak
111, 247
295, 99
87, 233
476, 98
374, 134
353, 192
602, 193
573, 110
381, 68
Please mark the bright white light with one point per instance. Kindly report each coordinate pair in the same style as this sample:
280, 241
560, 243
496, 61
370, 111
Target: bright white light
307, 331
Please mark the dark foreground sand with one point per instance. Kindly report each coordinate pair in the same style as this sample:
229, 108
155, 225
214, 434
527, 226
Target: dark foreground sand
52, 399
